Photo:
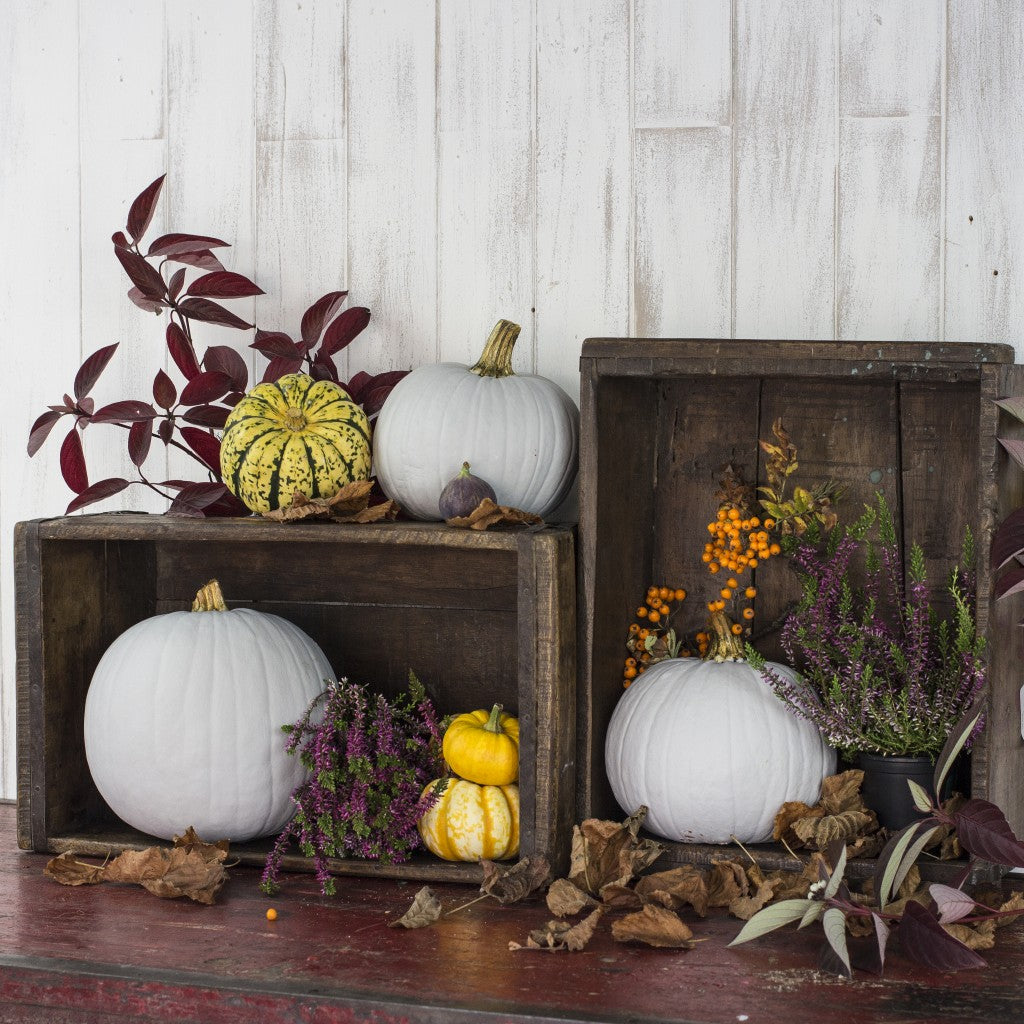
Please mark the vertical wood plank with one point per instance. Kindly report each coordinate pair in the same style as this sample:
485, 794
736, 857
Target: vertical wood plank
889, 185
682, 178
300, 246
785, 170
583, 180
984, 154
485, 174
392, 189
122, 149
40, 265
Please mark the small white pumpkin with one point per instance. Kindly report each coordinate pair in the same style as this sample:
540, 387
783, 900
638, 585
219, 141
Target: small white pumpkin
711, 751
519, 432
183, 720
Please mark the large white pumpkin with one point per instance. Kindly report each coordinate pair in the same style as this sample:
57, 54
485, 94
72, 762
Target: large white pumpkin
183, 721
519, 432
711, 751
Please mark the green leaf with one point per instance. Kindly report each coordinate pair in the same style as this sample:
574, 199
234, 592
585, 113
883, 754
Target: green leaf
837, 876
814, 911
834, 923
889, 862
954, 744
776, 915
910, 858
922, 801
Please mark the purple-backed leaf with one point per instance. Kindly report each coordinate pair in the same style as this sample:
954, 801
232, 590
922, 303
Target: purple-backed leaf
274, 343
182, 353
375, 397
923, 939
141, 212
224, 284
952, 904
207, 387
357, 385
323, 368
86, 406
119, 238
1011, 582
90, 370
1014, 448
140, 300
958, 737
205, 445
211, 313
232, 398
1007, 539
1013, 404
226, 360
344, 329
984, 832
177, 243
882, 932
165, 394
72, 462
165, 430
145, 277
227, 505
204, 260
97, 492
321, 312
889, 861
834, 923
41, 430
175, 283
281, 365
193, 498
140, 436
129, 411
213, 416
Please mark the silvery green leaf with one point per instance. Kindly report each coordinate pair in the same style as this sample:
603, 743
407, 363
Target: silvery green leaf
954, 744
776, 915
909, 859
814, 911
882, 934
889, 862
952, 904
922, 801
834, 923
837, 876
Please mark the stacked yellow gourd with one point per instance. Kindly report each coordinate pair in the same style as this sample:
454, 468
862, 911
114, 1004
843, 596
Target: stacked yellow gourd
476, 814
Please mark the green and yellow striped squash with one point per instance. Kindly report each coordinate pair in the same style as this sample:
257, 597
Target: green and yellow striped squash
293, 434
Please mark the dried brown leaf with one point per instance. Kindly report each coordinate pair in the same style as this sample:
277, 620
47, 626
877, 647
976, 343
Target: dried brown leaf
796, 884
910, 884
788, 814
655, 926
685, 885
616, 896
191, 840
979, 936
1015, 902
69, 871
488, 514
841, 792
604, 852
512, 884
846, 825
870, 845
566, 900
351, 504
559, 935
745, 907
727, 882
424, 910
170, 873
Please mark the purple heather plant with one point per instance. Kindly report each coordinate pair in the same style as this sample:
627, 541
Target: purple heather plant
882, 671
369, 760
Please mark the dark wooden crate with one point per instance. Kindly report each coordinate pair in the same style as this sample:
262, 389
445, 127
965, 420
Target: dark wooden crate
660, 418
480, 617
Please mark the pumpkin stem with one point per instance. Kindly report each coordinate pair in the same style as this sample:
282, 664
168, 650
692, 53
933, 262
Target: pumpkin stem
295, 419
493, 723
496, 358
725, 645
209, 598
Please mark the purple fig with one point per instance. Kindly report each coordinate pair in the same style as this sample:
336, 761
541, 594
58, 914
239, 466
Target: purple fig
462, 495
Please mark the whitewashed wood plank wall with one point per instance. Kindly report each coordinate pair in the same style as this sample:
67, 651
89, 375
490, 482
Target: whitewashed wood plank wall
730, 168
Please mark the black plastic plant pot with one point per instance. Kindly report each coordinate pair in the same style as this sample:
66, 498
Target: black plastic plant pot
885, 788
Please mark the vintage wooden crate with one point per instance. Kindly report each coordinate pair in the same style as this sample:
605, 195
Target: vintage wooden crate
480, 617
660, 418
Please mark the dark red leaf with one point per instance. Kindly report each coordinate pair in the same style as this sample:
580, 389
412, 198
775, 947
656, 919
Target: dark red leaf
214, 416
323, 368
274, 343
205, 445
165, 430
182, 353
211, 313
175, 283
97, 492
1011, 582
141, 212
224, 284
129, 411
140, 300
280, 366
176, 244
1008, 539
232, 399
72, 462
375, 397
140, 436
165, 394
193, 498
984, 832
90, 370
923, 939
207, 387
118, 238
41, 430
145, 277
228, 505
321, 312
175, 485
357, 385
86, 406
341, 331
227, 360
204, 260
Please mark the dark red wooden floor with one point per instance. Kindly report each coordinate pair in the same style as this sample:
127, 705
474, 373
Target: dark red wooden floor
109, 953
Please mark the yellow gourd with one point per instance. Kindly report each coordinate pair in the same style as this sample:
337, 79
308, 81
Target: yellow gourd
470, 822
483, 747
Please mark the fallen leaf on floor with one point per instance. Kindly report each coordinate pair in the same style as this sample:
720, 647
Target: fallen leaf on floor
560, 935
604, 852
69, 871
655, 926
727, 882
512, 884
685, 885
566, 900
425, 910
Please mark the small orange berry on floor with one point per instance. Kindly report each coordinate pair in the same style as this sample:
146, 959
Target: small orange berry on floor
271, 914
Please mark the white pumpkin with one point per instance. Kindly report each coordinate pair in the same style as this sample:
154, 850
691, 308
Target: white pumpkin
183, 721
519, 432
711, 751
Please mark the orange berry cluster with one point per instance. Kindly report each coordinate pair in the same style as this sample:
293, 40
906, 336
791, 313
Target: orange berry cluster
651, 626
738, 541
